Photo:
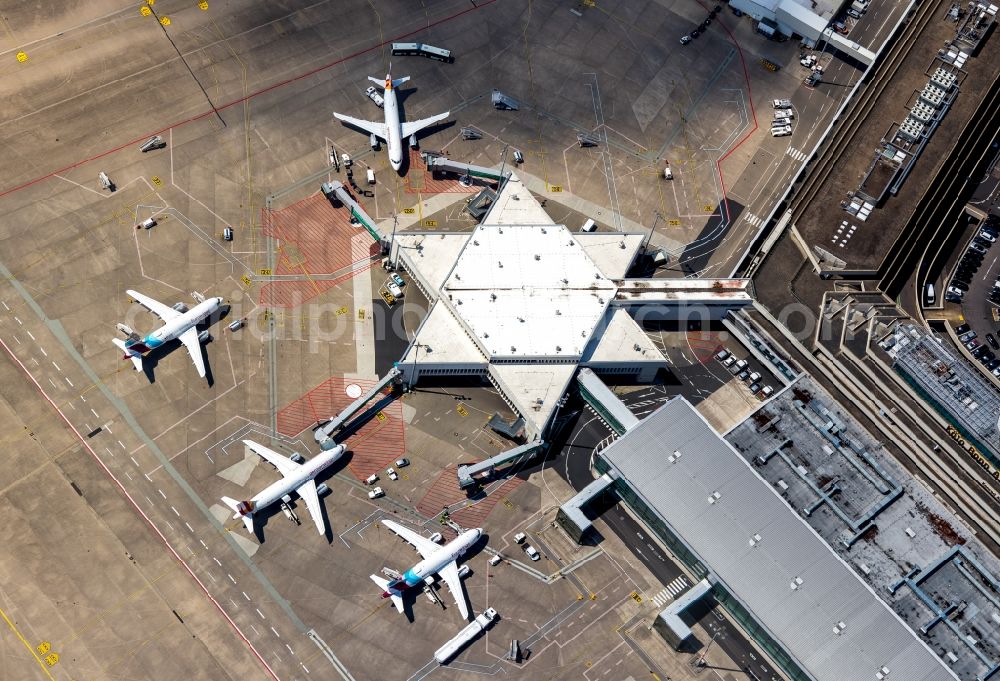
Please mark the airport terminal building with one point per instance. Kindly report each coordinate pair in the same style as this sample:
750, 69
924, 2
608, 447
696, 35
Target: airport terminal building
525, 302
812, 614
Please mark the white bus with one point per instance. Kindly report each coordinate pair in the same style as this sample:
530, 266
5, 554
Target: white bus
421, 50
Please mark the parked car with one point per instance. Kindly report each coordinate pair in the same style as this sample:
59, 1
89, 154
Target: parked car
967, 336
755, 388
376, 493
766, 391
987, 236
519, 537
743, 375
685, 39
402, 463
495, 559
960, 285
394, 289
722, 354
371, 479
962, 328
398, 279
391, 472
532, 552
955, 292
755, 377
978, 248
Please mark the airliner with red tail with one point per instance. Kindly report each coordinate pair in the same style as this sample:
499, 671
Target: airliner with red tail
392, 131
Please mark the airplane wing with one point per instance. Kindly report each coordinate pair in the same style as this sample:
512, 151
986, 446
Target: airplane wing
410, 127
193, 345
164, 312
371, 127
284, 465
307, 492
449, 573
423, 545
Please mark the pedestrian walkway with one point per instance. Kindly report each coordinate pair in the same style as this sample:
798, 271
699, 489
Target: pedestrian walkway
796, 154
672, 591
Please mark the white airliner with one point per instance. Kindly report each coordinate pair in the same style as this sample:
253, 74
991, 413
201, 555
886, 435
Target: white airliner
297, 477
176, 324
392, 131
436, 559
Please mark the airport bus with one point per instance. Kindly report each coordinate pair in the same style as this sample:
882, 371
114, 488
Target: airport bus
421, 50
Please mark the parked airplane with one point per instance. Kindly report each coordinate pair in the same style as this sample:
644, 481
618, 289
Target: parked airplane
178, 322
297, 477
436, 559
392, 131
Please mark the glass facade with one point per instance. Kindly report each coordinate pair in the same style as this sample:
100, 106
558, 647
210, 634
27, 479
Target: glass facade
741, 614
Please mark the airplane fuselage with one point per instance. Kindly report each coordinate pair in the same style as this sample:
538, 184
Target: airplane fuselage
175, 327
451, 551
307, 471
393, 127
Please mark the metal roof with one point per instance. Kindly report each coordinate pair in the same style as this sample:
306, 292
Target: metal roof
796, 586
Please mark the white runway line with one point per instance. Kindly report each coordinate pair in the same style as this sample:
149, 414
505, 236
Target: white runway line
134, 461
161, 492
260, 613
18, 320
43, 351
120, 443
69, 381
216, 561
275, 632
94, 413
5, 306
30, 334
56, 365
230, 578
202, 542
245, 595
191, 529
176, 513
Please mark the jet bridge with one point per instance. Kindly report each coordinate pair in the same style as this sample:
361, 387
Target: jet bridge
324, 434
337, 194
605, 403
467, 473
446, 165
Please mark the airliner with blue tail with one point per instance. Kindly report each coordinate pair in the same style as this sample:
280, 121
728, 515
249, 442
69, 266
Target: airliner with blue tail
181, 324
437, 559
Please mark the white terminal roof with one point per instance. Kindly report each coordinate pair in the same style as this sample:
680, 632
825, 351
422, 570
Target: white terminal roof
765, 554
528, 291
612, 252
526, 300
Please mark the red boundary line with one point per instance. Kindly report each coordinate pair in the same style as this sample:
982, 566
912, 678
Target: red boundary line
223, 107
753, 113
141, 512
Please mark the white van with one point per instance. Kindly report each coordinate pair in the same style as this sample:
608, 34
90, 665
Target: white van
371, 176
518, 157
589, 226
929, 294
781, 132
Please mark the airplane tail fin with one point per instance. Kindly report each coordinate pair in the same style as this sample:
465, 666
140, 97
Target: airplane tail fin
129, 354
388, 592
235, 505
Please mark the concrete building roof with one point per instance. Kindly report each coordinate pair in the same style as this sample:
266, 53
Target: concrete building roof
528, 291
612, 253
443, 341
516, 206
618, 340
764, 554
533, 388
430, 255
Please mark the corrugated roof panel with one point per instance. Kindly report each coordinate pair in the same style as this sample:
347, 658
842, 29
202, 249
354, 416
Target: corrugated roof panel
760, 576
